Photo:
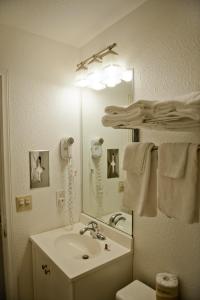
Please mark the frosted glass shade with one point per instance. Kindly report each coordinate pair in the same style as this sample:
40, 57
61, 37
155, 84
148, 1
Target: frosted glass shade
112, 75
97, 86
94, 81
82, 82
127, 75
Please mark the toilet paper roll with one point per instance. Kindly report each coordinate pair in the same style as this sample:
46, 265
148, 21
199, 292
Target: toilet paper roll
163, 296
167, 283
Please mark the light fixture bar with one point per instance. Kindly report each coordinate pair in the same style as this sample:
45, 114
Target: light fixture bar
97, 57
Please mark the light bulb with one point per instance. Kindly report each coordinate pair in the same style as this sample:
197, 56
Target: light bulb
127, 75
94, 81
94, 77
82, 82
97, 86
112, 75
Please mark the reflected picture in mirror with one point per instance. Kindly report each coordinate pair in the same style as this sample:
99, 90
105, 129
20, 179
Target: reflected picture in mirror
103, 176
112, 163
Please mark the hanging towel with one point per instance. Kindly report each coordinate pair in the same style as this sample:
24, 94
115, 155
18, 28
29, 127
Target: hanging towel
135, 157
173, 159
140, 163
177, 181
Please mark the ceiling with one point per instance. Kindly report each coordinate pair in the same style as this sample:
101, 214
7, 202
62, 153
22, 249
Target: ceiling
74, 22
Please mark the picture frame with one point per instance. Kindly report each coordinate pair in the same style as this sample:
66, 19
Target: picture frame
39, 168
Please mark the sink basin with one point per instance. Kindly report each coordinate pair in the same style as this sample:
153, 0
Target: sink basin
76, 246
75, 254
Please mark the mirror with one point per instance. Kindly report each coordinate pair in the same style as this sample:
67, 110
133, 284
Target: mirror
103, 177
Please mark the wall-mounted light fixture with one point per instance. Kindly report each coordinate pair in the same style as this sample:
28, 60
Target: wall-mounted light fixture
99, 78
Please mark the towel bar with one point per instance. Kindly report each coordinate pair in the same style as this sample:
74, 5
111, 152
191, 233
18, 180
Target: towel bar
156, 148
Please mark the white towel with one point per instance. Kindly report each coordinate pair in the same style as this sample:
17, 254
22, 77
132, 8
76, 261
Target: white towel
141, 184
177, 125
116, 120
179, 114
135, 156
177, 197
172, 159
158, 105
180, 124
140, 104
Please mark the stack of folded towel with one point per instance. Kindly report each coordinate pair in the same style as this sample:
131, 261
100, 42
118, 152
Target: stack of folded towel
178, 114
174, 189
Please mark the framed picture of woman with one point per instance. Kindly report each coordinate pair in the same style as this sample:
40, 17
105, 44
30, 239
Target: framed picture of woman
39, 168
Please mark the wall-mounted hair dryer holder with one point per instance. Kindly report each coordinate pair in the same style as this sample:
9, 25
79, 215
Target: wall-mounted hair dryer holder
96, 147
65, 147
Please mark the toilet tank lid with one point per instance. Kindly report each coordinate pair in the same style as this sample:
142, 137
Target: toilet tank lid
136, 290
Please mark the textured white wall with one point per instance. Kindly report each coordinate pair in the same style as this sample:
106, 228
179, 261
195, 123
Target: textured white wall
161, 40
44, 107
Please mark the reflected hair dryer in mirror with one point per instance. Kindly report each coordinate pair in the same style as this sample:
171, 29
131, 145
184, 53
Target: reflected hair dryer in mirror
96, 147
65, 150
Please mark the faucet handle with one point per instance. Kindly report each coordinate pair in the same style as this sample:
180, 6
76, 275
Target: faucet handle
100, 236
94, 224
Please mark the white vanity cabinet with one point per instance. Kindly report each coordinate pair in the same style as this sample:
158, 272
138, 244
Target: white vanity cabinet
61, 273
49, 282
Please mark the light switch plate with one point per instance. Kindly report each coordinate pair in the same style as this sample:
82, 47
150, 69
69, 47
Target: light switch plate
23, 203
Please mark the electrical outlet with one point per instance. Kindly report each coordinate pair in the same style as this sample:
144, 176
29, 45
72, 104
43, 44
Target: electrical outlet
23, 203
60, 199
121, 186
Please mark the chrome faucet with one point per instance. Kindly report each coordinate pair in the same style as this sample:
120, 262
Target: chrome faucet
115, 218
94, 230
119, 219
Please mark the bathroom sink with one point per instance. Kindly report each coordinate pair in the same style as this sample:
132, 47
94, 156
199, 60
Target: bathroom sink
76, 255
77, 246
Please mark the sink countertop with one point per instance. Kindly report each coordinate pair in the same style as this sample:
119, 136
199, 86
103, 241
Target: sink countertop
72, 267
